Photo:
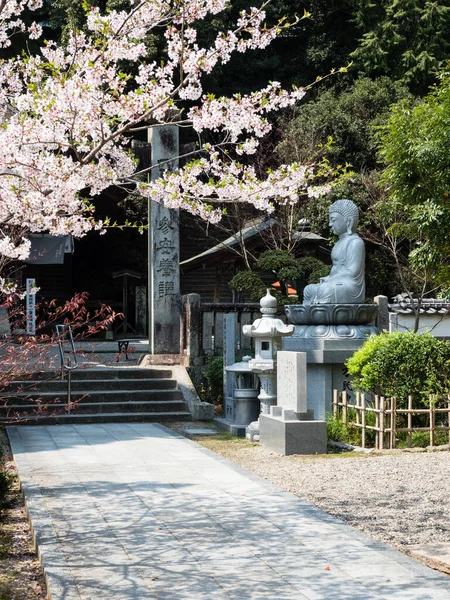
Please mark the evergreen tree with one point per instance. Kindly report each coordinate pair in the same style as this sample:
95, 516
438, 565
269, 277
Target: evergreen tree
340, 127
414, 145
405, 39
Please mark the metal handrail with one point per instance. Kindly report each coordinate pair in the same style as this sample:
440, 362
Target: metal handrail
64, 333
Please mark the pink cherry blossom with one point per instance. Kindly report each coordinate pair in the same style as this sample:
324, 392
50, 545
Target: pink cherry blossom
68, 113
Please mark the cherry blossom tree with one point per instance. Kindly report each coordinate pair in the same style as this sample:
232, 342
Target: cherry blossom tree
68, 114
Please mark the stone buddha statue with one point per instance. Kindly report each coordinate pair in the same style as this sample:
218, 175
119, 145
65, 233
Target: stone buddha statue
345, 284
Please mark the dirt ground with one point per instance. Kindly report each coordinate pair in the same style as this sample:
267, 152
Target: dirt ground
21, 577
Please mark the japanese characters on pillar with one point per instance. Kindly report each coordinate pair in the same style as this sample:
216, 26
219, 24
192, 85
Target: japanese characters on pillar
164, 272
31, 307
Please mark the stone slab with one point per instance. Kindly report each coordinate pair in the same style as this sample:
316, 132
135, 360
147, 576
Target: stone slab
235, 429
160, 359
200, 431
293, 436
138, 512
291, 381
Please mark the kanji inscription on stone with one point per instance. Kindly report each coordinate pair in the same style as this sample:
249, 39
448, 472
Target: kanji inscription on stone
165, 288
166, 267
165, 246
164, 256
164, 225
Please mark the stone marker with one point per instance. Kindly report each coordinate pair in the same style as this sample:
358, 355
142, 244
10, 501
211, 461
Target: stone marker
290, 427
229, 356
141, 309
383, 312
164, 253
291, 381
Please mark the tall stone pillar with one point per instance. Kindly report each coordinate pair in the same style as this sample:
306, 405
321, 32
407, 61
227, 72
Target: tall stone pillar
164, 251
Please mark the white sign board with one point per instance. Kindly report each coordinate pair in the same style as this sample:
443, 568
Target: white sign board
31, 307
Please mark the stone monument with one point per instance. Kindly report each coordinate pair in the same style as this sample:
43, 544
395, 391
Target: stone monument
290, 428
333, 321
164, 252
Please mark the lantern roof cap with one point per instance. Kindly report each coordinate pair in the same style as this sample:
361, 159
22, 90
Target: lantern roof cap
240, 367
268, 327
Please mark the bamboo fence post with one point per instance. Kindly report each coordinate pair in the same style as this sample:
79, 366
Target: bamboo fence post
344, 407
448, 417
335, 403
393, 420
382, 422
357, 409
363, 419
410, 399
377, 422
432, 421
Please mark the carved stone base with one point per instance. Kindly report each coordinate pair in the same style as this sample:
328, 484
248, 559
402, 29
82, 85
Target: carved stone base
330, 349
332, 321
334, 332
331, 314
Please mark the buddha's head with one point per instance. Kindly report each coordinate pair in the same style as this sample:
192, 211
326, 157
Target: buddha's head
344, 217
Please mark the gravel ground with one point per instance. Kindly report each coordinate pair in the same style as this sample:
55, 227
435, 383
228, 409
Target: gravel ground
401, 498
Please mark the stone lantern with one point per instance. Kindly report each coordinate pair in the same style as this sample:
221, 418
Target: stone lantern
244, 407
268, 332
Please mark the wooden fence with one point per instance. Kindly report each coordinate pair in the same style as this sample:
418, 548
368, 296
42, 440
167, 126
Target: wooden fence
202, 326
388, 420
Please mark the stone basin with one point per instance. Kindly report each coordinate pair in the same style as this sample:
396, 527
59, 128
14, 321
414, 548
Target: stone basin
331, 314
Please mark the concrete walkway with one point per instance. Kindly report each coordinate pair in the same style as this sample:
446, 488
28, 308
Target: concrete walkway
125, 512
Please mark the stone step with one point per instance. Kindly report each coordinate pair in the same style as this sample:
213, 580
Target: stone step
125, 417
101, 395
95, 396
60, 386
163, 406
107, 373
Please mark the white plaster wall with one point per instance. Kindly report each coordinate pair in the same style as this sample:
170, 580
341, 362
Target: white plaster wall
438, 325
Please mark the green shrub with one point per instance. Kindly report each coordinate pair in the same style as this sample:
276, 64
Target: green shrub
312, 269
338, 431
421, 439
275, 260
247, 281
398, 364
214, 379
5, 486
208, 380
